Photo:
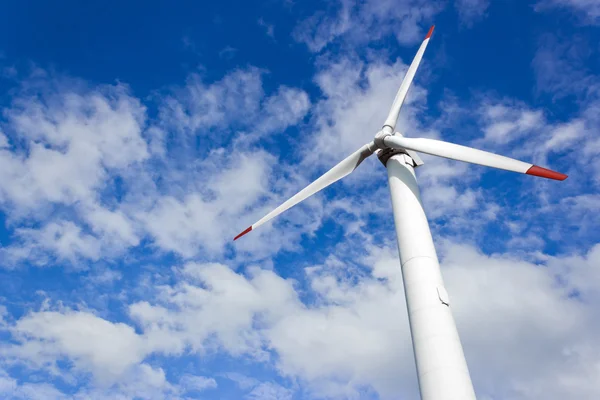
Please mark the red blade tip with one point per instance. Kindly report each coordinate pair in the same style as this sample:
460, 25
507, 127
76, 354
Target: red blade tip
243, 233
430, 32
546, 173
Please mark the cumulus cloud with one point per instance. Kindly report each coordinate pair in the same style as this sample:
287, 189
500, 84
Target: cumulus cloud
77, 176
47, 336
26, 391
69, 140
196, 221
520, 324
63, 240
236, 101
198, 105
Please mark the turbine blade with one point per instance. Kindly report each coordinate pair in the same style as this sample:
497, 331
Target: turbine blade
345, 167
470, 155
408, 78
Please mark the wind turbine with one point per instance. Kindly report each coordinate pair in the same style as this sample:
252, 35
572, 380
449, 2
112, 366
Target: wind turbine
441, 366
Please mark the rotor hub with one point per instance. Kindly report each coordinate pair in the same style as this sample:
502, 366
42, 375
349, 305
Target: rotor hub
380, 136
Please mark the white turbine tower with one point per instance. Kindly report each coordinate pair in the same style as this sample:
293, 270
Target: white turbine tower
441, 366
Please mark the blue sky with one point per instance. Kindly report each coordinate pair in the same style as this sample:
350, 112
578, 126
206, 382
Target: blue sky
137, 139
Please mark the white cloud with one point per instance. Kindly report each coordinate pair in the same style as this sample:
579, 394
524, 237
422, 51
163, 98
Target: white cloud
319, 30
72, 137
105, 277
3, 140
87, 151
10, 388
112, 226
588, 9
284, 108
237, 101
363, 22
560, 67
358, 331
3, 315
105, 349
206, 222
227, 308
269, 28
243, 381
502, 307
7, 384
62, 239
142, 381
270, 391
506, 123
235, 98
197, 383
259, 390
582, 273
145, 382
69, 141
471, 11
518, 321
228, 52
518, 131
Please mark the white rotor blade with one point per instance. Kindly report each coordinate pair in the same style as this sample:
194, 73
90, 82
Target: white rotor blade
408, 78
470, 155
336, 173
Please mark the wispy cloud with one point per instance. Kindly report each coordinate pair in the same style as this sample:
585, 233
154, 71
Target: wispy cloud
589, 10
363, 22
560, 68
269, 28
471, 11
